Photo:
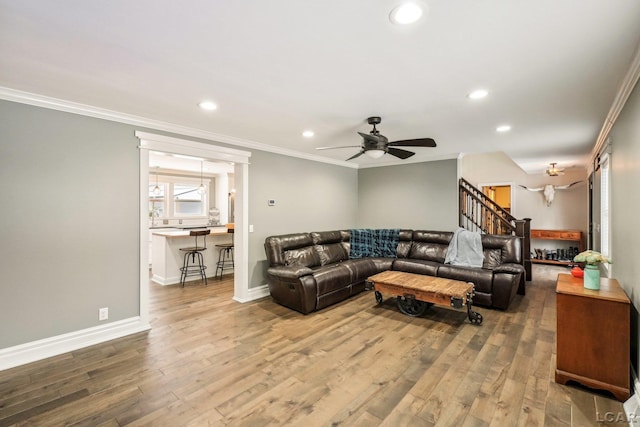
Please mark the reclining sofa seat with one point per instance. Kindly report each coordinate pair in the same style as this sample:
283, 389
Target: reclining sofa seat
310, 271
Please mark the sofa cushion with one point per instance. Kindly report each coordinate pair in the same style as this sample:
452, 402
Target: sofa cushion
306, 257
492, 258
417, 266
430, 245
428, 251
510, 247
363, 268
331, 277
331, 246
405, 238
331, 253
482, 279
320, 237
275, 246
362, 243
386, 242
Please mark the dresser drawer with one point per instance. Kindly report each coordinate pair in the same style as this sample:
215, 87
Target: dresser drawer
556, 234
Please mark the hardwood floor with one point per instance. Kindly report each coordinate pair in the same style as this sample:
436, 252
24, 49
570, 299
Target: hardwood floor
211, 361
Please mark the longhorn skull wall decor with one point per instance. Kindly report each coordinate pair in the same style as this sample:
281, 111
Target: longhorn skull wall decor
549, 191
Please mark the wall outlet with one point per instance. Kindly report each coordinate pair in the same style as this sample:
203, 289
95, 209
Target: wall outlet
103, 313
271, 202
250, 228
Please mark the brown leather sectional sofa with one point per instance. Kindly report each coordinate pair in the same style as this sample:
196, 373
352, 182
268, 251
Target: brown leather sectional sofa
310, 271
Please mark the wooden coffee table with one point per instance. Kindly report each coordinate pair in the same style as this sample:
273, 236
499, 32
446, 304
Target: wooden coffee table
416, 292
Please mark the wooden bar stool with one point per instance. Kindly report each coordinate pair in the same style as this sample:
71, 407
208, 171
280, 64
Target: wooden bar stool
194, 252
225, 257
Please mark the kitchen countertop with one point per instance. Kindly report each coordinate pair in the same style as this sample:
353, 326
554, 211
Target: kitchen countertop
215, 231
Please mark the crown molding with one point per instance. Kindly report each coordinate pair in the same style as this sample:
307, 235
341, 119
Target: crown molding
624, 91
14, 95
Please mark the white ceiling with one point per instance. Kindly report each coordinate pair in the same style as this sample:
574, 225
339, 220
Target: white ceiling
276, 68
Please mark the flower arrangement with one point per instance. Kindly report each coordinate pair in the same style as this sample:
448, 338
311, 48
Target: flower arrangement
591, 258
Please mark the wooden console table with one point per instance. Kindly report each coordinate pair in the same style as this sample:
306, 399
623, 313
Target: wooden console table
566, 235
593, 335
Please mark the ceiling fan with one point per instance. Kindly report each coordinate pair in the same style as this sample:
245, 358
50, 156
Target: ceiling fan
554, 171
376, 145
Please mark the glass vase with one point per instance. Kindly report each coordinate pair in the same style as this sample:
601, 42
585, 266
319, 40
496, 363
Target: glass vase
591, 277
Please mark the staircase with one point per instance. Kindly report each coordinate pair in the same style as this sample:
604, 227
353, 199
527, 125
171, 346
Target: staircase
480, 213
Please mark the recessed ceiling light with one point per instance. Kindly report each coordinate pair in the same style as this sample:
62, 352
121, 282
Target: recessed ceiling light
207, 105
503, 128
478, 94
308, 133
406, 13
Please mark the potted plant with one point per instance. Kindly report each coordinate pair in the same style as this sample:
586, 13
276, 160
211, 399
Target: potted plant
592, 259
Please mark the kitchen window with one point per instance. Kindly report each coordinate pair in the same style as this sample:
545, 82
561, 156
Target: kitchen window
187, 200
178, 198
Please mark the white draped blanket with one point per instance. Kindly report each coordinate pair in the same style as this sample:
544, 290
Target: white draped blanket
465, 249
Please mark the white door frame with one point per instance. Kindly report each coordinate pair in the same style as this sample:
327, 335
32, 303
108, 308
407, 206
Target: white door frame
502, 184
154, 142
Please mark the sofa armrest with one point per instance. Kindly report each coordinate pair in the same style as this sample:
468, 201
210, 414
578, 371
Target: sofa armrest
294, 287
511, 268
291, 272
506, 279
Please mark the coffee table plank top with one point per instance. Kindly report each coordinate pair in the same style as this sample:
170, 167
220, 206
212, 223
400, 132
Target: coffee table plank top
415, 291
420, 282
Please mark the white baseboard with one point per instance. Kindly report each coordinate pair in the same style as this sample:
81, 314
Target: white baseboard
254, 294
37, 350
174, 280
632, 404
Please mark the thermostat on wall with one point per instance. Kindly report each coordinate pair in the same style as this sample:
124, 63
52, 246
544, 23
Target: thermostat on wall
271, 202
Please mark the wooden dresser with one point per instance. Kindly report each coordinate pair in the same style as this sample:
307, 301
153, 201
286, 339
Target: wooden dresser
593, 337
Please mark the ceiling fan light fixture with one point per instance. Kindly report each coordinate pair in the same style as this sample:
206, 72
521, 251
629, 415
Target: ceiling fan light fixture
375, 154
406, 13
554, 171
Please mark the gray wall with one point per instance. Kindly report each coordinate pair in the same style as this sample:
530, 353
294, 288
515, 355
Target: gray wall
69, 222
309, 196
625, 205
416, 195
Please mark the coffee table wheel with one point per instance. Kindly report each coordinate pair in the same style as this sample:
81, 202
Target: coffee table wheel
411, 306
378, 297
475, 318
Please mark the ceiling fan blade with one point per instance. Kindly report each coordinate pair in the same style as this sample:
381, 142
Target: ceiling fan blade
332, 148
355, 155
402, 154
419, 142
371, 138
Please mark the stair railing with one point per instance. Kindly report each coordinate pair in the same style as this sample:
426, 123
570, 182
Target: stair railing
479, 213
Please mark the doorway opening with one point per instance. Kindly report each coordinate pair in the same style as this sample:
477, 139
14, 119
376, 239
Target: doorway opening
501, 193
240, 159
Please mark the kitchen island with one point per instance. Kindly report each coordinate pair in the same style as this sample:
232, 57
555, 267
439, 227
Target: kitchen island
167, 257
